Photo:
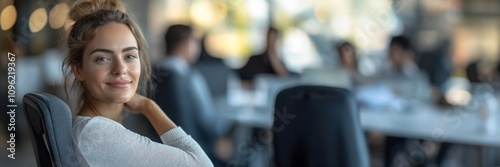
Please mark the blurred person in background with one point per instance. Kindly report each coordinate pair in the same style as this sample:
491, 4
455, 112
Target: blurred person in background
348, 57
477, 73
339, 69
435, 61
215, 71
266, 63
405, 76
496, 75
409, 82
480, 71
350, 62
402, 57
183, 93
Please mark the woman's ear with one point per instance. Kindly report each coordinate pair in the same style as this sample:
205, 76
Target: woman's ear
77, 71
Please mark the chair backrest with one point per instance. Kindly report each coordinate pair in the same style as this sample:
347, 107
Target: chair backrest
318, 126
50, 121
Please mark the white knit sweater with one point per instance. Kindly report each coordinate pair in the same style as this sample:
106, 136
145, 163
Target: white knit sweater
100, 141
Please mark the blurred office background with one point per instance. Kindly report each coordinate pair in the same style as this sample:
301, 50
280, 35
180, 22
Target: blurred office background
455, 44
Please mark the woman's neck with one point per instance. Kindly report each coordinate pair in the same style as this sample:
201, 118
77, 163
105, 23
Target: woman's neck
92, 108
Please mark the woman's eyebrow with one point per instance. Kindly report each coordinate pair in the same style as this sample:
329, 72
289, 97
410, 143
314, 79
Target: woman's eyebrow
129, 48
101, 50
110, 51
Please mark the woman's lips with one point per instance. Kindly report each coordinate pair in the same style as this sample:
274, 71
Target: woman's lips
119, 84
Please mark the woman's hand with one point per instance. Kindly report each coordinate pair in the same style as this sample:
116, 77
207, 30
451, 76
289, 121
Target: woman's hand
149, 108
138, 104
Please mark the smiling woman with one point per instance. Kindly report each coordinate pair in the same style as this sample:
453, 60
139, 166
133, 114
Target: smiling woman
108, 61
111, 71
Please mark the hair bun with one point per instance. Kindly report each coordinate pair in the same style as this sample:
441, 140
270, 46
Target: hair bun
85, 7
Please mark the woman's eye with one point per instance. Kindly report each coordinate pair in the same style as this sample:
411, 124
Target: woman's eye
101, 59
131, 57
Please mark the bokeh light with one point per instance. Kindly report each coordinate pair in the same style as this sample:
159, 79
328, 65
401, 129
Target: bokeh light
8, 17
205, 14
38, 20
58, 15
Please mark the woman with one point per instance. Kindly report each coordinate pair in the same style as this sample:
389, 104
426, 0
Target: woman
108, 59
347, 54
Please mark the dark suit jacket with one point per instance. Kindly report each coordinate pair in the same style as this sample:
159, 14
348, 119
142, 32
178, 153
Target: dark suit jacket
258, 64
175, 97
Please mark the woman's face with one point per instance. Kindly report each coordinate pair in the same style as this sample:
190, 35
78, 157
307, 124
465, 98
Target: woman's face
111, 66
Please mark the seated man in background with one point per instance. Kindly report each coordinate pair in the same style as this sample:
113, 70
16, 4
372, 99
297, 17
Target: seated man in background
406, 78
400, 84
182, 91
412, 87
265, 63
402, 57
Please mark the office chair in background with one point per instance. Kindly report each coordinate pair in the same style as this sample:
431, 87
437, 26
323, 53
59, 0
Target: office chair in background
50, 121
318, 126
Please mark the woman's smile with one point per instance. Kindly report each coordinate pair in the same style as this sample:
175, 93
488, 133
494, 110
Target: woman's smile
120, 84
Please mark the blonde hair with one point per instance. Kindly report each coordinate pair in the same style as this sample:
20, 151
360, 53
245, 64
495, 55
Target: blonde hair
88, 16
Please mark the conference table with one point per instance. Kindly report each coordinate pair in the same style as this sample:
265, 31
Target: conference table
433, 123
423, 120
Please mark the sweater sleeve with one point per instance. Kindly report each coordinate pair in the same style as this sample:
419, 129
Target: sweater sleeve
104, 142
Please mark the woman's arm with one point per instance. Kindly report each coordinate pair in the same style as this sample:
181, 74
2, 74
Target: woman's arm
153, 112
104, 142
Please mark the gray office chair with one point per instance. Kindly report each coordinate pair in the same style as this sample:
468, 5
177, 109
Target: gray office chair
316, 126
50, 121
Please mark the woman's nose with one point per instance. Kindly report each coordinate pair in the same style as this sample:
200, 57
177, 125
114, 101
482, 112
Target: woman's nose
120, 68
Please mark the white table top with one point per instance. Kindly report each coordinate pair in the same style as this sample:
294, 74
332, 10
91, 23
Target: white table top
433, 123
423, 122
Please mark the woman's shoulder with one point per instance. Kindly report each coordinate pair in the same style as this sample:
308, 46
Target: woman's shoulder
97, 124
84, 120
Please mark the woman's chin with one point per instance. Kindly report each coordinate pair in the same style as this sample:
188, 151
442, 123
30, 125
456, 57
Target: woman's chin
122, 98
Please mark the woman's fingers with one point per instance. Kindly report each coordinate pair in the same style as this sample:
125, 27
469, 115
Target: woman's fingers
135, 103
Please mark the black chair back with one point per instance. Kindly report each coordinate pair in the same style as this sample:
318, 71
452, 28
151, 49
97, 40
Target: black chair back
318, 126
